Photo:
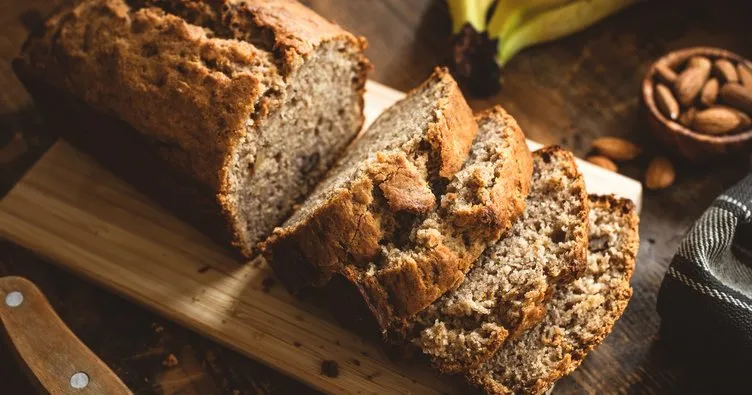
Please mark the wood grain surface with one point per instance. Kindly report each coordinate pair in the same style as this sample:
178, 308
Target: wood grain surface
69, 209
46, 349
567, 92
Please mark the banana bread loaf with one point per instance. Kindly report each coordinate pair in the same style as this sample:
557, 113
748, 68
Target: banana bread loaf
400, 219
228, 111
505, 291
580, 314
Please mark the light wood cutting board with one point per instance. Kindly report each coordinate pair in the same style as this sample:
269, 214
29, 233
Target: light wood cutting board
83, 218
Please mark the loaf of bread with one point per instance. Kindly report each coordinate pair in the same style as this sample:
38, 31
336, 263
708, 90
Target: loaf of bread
404, 214
227, 111
581, 313
505, 291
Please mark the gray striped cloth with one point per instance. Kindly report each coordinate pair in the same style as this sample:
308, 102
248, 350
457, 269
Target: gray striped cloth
705, 300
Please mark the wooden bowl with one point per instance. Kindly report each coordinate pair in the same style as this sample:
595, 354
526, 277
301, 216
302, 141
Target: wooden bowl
694, 146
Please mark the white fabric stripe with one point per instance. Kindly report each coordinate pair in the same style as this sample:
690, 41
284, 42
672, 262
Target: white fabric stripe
729, 199
705, 290
712, 234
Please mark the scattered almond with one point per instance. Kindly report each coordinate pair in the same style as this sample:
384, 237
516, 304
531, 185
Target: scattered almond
691, 80
603, 162
171, 361
737, 96
660, 174
665, 73
716, 120
687, 116
725, 70
616, 148
709, 92
666, 102
745, 75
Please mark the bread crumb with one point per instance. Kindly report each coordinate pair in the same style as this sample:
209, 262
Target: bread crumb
268, 283
296, 344
157, 328
171, 361
329, 368
204, 269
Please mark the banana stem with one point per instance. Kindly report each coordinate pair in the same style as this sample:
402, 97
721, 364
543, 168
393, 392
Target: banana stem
556, 23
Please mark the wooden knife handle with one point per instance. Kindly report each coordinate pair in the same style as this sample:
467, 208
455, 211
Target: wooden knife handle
55, 359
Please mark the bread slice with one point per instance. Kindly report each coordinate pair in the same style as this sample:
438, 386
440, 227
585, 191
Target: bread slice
227, 111
400, 219
580, 314
504, 292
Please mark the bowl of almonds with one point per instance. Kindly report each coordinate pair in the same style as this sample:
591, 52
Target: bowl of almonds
699, 102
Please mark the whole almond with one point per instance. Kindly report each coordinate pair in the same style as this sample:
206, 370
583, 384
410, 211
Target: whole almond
699, 61
716, 120
737, 96
666, 102
709, 92
691, 80
665, 73
687, 116
616, 148
660, 174
603, 162
745, 75
725, 70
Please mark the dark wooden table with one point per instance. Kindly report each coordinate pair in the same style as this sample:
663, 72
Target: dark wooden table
567, 93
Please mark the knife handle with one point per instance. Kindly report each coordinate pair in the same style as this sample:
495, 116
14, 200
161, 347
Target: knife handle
56, 361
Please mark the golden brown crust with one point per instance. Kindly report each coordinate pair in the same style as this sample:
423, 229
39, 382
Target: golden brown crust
184, 87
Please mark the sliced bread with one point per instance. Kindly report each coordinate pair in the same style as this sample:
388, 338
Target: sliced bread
227, 111
402, 216
504, 292
580, 314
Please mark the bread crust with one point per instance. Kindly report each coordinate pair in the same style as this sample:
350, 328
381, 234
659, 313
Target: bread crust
193, 101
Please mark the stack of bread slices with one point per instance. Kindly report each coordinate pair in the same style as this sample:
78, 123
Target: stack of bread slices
446, 234
437, 229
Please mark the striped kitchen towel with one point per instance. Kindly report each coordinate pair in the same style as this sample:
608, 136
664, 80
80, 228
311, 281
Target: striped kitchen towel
705, 301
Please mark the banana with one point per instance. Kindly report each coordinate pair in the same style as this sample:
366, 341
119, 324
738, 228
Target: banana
510, 13
551, 24
468, 11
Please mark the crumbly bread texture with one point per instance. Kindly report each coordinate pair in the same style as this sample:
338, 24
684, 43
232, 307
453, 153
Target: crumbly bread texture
404, 214
229, 110
504, 292
580, 314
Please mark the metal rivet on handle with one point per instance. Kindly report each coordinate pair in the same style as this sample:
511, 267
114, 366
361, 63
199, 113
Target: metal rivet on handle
79, 380
14, 299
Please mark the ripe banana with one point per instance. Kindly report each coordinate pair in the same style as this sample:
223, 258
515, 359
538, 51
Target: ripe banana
552, 24
510, 13
468, 11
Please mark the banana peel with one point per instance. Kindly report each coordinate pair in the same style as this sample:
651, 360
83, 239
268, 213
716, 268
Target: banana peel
481, 47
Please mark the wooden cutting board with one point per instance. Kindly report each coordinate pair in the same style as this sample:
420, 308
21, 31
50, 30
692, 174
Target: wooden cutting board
70, 210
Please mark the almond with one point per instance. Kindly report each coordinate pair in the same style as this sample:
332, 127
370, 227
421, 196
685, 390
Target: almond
666, 102
709, 92
660, 174
603, 162
716, 120
665, 73
616, 148
687, 116
737, 96
691, 80
745, 75
725, 70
